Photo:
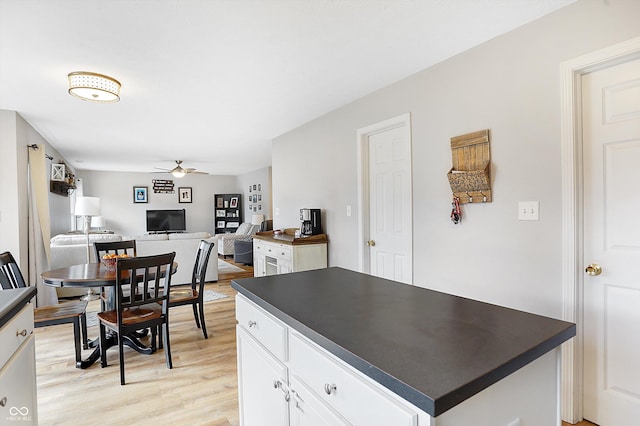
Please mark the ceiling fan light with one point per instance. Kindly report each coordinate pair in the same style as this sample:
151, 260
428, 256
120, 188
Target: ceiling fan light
90, 86
178, 173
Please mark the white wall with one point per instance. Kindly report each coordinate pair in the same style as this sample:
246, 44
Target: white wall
509, 85
260, 177
125, 217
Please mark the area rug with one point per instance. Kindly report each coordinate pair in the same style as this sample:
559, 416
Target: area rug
226, 267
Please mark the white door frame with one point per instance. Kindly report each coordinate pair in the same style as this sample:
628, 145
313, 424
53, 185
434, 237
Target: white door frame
363, 183
572, 214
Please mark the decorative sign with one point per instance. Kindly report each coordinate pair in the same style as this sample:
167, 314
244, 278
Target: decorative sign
163, 186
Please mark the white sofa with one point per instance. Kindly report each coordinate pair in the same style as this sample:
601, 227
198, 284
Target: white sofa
71, 249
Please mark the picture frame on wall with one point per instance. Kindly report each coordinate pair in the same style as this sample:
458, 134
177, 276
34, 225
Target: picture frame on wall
58, 172
234, 202
219, 202
184, 194
140, 194
220, 224
221, 213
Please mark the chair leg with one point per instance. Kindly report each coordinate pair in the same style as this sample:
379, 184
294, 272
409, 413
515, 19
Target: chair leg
195, 314
204, 325
103, 346
76, 340
83, 328
167, 349
121, 354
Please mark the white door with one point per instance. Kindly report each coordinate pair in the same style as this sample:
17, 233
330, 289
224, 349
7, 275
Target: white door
611, 151
390, 234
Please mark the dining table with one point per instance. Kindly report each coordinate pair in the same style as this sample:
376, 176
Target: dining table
90, 275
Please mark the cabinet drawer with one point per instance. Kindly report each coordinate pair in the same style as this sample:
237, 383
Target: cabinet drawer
348, 393
258, 246
265, 328
280, 251
15, 332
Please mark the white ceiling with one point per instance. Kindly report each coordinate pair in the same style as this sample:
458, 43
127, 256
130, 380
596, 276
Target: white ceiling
212, 82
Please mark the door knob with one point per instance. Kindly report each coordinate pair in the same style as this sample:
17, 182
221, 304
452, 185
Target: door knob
593, 269
371, 243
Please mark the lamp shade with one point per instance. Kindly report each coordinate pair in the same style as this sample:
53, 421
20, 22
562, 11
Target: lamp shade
257, 219
91, 86
87, 206
97, 221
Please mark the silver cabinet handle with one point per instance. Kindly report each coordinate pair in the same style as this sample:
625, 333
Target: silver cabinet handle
329, 388
252, 323
22, 333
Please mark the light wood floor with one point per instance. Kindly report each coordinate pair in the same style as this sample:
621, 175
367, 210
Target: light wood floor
201, 389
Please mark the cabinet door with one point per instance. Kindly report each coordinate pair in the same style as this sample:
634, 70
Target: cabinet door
284, 267
262, 402
308, 410
259, 265
18, 386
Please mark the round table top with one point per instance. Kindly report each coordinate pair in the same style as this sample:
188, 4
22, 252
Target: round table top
84, 275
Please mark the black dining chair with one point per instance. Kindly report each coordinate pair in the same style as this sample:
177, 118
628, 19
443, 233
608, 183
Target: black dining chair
112, 247
147, 280
193, 295
63, 313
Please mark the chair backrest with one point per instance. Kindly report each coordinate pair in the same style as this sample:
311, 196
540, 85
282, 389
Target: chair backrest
115, 247
10, 275
142, 281
200, 266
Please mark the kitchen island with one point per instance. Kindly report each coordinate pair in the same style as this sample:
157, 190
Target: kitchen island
18, 399
333, 346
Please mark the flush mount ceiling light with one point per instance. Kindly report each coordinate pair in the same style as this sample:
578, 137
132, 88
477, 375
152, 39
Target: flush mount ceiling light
91, 86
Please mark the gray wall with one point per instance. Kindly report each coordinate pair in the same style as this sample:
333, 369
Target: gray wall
125, 217
509, 85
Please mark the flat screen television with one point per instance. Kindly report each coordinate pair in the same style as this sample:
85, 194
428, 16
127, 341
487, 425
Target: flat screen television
166, 220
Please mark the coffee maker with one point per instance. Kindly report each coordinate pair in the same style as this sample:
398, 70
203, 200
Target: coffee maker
310, 222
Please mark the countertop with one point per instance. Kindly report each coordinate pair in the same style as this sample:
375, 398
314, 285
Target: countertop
433, 349
288, 237
12, 301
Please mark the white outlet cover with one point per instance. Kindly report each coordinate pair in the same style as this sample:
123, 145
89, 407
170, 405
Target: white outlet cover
528, 210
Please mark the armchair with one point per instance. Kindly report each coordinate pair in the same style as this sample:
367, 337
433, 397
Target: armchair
244, 233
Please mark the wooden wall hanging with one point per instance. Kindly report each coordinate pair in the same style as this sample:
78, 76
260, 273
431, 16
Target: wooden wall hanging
469, 177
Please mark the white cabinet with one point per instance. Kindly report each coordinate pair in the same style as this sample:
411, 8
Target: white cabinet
18, 400
274, 258
284, 379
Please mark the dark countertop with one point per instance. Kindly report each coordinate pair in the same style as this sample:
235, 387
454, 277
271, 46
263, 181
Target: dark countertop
12, 301
433, 349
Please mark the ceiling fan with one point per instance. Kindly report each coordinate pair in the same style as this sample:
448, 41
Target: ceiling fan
179, 171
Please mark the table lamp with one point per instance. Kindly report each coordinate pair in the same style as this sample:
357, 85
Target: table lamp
88, 207
97, 222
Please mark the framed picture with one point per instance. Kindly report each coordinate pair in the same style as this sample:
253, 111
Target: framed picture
184, 194
259, 187
249, 188
219, 202
233, 224
221, 213
259, 197
140, 194
58, 172
220, 224
234, 202
254, 187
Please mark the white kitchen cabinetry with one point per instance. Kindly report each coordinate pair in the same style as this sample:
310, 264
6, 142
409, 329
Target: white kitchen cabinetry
18, 400
285, 379
275, 258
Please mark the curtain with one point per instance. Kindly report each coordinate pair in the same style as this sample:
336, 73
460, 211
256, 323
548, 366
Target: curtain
39, 226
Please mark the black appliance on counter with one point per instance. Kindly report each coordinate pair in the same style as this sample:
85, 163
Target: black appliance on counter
310, 222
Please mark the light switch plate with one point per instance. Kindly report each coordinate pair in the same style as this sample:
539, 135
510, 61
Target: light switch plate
528, 210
